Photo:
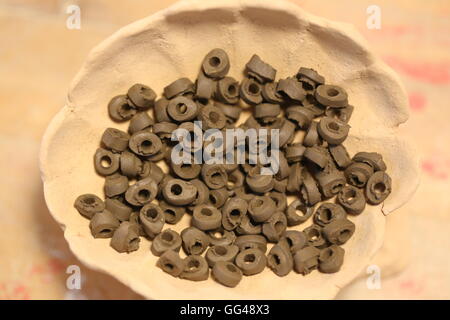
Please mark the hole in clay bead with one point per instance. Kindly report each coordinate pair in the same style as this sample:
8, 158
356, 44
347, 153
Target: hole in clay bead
326, 215
133, 243
276, 259
105, 162
235, 214
151, 213
220, 250
249, 258
89, 201
143, 195
332, 92
258, 203
193, 265
279, 227
216, 178
176, 189
196, 247
168, 266
344, 235
356, 180
333, 126
253, 88
214, 117
313, 235
213, 199
146, 145
380, 187
181, 108
186, 166
299, 211
350, 195
214, 61
232, 89
170, 213
336, 188
166, 236
206, 212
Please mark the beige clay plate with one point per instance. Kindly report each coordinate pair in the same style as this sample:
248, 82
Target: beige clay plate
170, 44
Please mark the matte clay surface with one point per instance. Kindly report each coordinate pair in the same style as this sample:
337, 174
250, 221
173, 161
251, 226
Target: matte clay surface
398, 37
86, 104
41, 266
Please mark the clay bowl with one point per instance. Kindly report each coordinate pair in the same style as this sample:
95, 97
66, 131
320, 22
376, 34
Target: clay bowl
170, 44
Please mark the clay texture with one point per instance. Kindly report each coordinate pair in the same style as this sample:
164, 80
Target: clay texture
171, 44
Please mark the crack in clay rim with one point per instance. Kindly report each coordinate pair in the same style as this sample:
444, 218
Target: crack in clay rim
194, 5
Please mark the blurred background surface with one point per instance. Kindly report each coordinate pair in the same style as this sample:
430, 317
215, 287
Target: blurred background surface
39, 56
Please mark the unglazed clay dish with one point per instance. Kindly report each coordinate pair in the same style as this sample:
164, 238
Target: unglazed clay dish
172, 43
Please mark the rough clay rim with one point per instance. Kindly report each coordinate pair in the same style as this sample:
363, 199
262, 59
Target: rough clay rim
343, 29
